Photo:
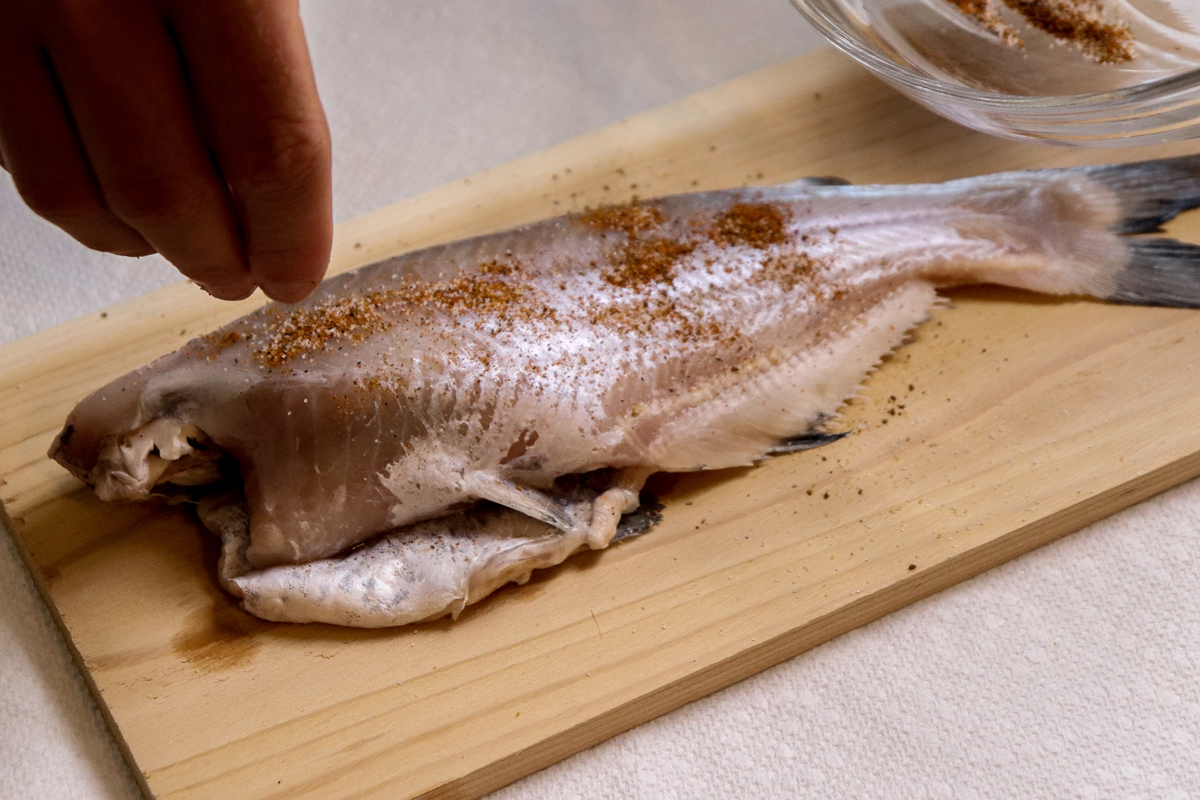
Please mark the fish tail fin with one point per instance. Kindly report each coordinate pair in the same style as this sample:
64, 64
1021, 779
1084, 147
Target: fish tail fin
1160, 272
1081, 230
1150, 193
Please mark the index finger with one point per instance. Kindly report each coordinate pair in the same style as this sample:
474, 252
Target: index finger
256, 95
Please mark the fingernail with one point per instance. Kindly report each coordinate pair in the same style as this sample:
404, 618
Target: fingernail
233, 291
289, 292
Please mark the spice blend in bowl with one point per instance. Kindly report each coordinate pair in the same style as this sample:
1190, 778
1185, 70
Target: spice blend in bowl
1079, 72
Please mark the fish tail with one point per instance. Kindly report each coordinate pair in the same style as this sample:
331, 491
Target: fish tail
1150, 193
1082, 230
1159, 271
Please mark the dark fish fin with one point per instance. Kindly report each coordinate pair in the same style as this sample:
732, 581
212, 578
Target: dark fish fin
1151, 192
820, 180
637, 522
828, 180
1161, 272
805, 441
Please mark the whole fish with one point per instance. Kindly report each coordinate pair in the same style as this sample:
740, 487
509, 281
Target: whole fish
427, 428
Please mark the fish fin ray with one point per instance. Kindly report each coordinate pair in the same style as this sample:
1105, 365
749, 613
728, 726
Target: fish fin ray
646, 516
1150, 192
793, 396
530, 502
1160, 272
805, 441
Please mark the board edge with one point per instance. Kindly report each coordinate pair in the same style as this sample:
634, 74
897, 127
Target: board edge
752, 661
27, 563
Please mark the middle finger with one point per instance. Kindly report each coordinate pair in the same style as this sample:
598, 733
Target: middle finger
123, 80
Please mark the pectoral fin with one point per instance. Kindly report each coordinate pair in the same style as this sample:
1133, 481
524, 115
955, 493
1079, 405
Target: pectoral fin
530, 502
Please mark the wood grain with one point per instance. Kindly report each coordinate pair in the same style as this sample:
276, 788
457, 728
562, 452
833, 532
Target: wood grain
1008, 421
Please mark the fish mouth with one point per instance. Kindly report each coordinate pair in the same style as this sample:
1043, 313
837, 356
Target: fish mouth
207, 469
166, 458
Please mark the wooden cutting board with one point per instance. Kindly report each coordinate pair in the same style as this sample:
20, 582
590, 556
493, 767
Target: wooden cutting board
1008, 421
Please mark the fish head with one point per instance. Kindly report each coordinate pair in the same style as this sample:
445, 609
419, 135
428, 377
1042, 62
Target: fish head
138, 436
104, 416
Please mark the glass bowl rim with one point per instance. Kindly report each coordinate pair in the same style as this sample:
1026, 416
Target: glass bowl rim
1163, 89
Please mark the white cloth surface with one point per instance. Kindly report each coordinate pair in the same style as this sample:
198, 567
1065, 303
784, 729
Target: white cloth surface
1070, 672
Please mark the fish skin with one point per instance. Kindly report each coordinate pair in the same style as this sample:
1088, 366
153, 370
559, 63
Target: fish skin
418, 573
691, 332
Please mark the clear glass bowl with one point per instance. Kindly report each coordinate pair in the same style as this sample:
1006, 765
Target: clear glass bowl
1044, 89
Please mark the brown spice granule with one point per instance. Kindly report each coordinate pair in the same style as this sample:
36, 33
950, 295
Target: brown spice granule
631, 218
1078, 21
757, 225
641, 316
495, 267
640, 261
309, 330
313, 330
366, 395
986, 13
458, 295
221, 339
644, 261
788, 270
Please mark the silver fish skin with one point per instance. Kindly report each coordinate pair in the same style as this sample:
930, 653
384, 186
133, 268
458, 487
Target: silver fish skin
419, 572
685, 333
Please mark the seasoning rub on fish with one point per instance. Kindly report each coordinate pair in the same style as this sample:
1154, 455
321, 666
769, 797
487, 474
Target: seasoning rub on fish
425, 429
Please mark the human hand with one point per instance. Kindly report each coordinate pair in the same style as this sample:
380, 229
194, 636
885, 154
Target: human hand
191, 129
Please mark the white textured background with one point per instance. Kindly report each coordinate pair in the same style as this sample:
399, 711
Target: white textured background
1068, 673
